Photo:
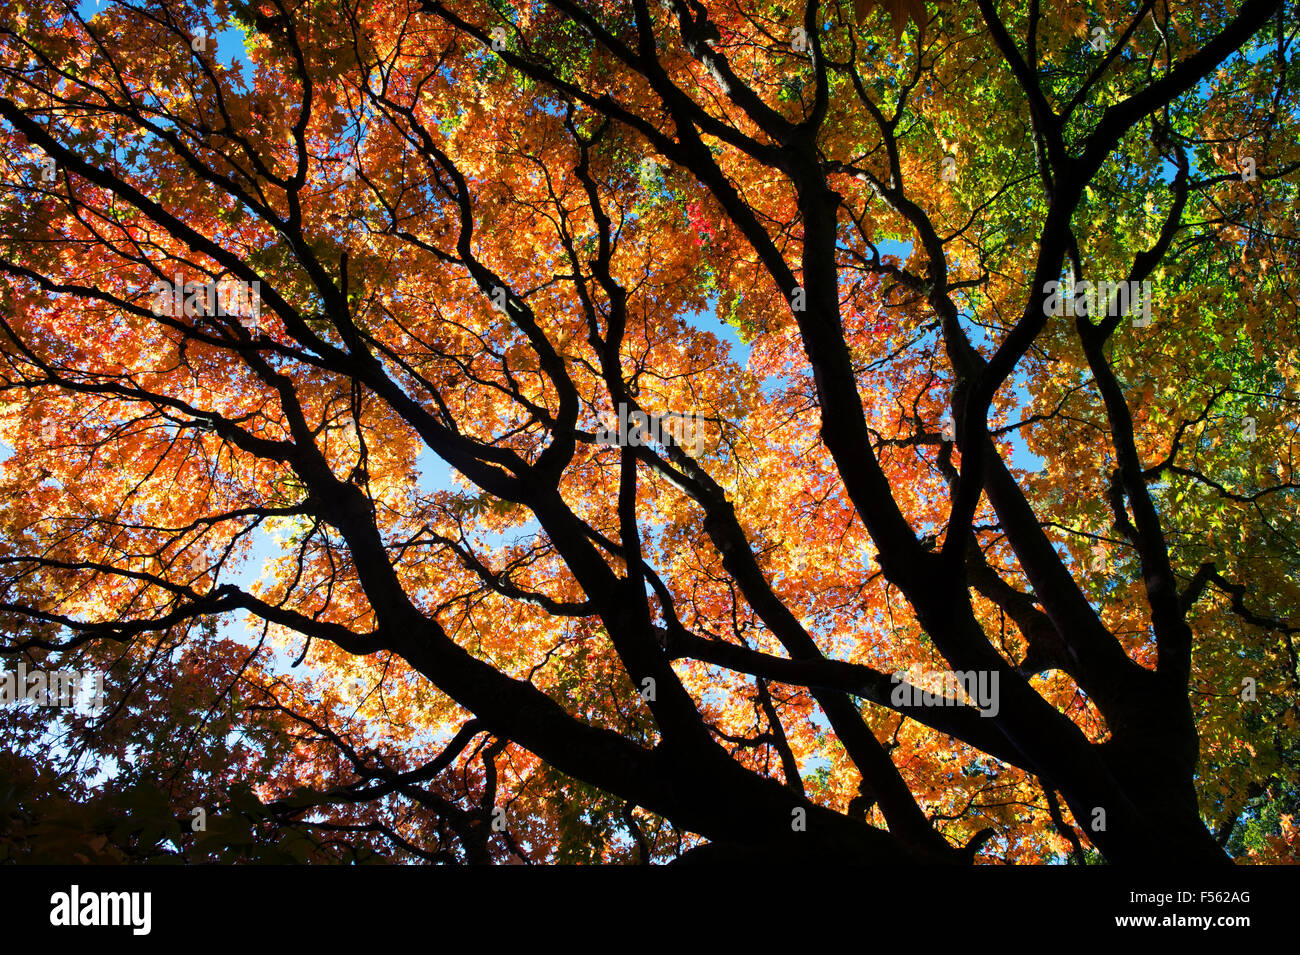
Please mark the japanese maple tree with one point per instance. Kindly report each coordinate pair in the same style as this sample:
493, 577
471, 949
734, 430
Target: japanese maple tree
369, 577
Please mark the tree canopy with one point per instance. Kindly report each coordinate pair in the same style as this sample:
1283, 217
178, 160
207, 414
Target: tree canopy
962, 522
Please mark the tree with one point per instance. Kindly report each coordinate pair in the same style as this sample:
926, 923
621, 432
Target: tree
963, 561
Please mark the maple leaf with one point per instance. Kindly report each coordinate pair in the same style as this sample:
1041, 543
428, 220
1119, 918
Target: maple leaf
614, 440
899, 11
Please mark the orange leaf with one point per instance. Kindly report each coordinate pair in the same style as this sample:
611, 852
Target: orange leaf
899, 12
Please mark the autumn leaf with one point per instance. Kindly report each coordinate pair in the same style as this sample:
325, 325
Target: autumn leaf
899, 11
636, 440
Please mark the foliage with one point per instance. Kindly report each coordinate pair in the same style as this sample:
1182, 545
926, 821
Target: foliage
368, 585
